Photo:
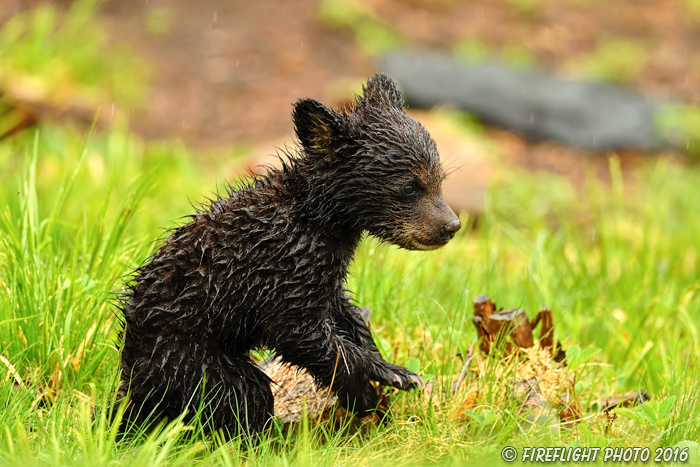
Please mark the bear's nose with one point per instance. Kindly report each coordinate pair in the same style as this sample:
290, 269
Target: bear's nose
452, 226
449, 229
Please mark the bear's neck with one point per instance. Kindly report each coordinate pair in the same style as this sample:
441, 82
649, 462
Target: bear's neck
318, 199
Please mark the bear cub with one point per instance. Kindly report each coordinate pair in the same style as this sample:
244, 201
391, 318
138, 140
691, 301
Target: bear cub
267, 266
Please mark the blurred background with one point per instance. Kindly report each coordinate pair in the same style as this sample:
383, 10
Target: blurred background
221, 75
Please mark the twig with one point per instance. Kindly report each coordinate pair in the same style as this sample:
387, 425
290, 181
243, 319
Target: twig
335, 368
465, 369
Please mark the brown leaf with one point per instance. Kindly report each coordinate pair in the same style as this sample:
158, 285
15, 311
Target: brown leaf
547, 329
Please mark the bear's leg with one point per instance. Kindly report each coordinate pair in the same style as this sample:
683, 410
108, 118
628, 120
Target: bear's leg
234, 394
349, 322
313, 340
238, 398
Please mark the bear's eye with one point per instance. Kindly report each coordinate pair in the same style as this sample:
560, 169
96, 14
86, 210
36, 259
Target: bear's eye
409, 189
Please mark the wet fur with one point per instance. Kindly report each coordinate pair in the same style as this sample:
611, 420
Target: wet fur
267, 266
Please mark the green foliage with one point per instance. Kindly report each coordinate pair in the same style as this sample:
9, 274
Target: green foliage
618, 266
575, 357
54, 311
656, 413
473, 51
371, 32
48, 55
693, 7
615, 60
413, 364
680, 125
518, 56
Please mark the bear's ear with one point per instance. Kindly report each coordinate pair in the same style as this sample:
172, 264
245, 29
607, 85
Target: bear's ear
318, 128
382, 90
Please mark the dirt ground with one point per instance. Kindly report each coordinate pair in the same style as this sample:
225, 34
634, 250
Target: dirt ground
227, 72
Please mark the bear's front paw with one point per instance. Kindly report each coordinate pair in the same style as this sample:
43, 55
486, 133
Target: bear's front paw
398, 377
361, 400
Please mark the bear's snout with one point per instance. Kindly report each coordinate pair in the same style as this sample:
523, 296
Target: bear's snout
450, 229
446, 220
434, 224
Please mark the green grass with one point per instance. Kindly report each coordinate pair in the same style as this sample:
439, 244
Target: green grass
372, 34
618, 264
65, 56
57, 61
615, 59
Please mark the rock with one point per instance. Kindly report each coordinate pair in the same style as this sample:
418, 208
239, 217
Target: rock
536, 104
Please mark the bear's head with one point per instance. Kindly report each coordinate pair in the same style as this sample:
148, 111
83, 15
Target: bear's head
377, 168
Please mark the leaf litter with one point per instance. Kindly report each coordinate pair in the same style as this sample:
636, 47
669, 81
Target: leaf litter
535, 370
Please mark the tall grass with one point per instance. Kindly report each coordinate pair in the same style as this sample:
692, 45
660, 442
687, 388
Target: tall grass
64, 56
618, 264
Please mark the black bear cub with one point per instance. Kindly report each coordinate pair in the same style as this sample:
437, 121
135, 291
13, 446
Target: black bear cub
267, 266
